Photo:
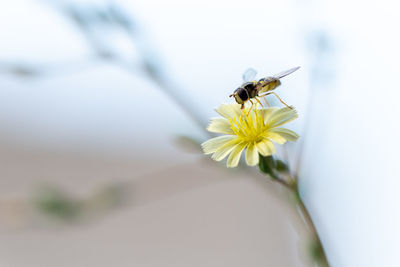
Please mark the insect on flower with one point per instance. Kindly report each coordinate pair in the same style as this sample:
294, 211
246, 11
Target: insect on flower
251, 89
251, 129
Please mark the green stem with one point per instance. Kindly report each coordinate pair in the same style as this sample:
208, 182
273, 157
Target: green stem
267, 165
317, 250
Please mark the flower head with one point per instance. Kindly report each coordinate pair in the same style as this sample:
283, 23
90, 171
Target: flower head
252, 129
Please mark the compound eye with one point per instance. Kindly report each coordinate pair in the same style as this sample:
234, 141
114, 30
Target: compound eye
242, 93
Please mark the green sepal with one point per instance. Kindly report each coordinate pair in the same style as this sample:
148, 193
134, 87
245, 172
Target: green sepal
267, 165
281, 166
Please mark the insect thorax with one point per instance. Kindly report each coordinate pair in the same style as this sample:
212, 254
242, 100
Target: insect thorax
251, 88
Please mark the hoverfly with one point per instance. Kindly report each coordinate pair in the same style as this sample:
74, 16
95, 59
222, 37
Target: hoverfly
252, 89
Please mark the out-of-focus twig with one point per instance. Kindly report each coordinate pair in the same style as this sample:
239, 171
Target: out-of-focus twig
96, 21
43, 70
320, 47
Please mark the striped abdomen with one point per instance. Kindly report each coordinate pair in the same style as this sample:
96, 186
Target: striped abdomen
268, 84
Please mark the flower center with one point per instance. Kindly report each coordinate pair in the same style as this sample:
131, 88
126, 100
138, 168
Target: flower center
249, 126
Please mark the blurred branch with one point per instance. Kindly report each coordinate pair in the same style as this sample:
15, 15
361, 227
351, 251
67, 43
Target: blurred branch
21, 70
40, 70
113, 17
95, 21
320, 47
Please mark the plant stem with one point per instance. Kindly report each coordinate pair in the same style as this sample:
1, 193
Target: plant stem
274, 169
316, 248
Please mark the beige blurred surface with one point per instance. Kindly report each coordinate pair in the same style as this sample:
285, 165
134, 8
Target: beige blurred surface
193, 213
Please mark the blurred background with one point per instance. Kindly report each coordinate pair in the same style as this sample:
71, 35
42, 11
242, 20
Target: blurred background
103, 105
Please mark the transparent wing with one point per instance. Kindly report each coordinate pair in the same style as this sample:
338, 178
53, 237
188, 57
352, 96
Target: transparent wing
285, 73
249, 75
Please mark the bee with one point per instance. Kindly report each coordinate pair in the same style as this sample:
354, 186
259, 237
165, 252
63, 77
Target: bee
251, 89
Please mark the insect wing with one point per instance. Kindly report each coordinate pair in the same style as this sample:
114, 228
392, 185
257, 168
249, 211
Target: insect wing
285, 73
249, 75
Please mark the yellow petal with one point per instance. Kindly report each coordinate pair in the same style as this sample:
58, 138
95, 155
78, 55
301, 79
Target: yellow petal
252, 155
286, 133
267, 113
265, 147
275, 137
220, 125
225, 149
282, 116
229, 111
210, 146
234, 157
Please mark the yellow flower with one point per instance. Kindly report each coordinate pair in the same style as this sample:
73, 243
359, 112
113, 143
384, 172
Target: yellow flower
253, 130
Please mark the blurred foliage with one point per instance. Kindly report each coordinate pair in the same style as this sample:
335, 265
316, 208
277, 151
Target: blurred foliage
54, 203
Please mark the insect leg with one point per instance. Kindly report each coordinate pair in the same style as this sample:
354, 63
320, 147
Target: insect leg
266, 102
251, 103
250, 106
258, 101
278, 98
